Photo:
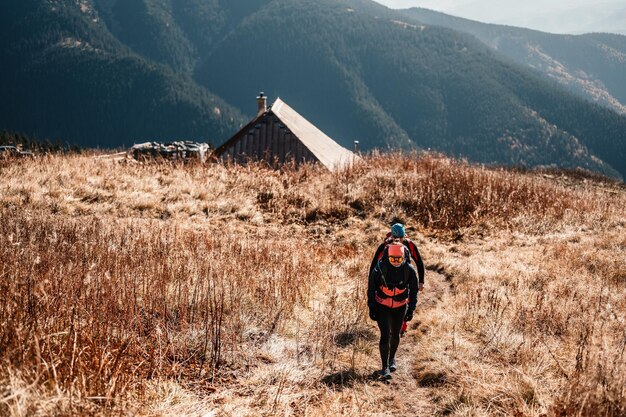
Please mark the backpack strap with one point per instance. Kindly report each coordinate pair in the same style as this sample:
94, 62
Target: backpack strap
383, 268
412, 250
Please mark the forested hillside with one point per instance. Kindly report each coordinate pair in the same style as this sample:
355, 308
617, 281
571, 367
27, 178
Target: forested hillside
174, 33
399, 84
109, 72
591, 65
65, 76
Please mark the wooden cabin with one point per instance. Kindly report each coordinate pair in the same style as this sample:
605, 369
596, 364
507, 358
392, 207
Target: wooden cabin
279, 134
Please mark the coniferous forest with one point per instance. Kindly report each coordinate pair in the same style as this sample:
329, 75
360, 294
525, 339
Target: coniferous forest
107, 73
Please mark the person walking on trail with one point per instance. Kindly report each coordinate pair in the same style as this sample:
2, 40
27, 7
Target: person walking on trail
398, 235
391, 298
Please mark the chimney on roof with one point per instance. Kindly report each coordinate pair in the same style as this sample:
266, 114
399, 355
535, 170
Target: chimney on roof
261, 101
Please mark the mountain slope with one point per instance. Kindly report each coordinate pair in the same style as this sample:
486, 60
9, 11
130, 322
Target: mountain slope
363, 73
592, 66
109, 72
66, 76
174, 33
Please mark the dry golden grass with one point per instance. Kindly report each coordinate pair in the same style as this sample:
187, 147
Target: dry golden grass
163, 289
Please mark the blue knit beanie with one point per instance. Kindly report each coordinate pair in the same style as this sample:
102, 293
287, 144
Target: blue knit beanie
397, 230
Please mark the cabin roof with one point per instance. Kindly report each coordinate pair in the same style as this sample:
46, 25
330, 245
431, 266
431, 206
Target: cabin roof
326, 150
330, 153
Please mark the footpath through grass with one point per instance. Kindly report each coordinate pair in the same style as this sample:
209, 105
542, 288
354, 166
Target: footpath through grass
154, 289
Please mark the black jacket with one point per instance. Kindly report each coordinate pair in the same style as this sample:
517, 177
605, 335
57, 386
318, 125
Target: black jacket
400, 277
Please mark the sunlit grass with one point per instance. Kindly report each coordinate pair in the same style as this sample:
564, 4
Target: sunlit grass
130, 288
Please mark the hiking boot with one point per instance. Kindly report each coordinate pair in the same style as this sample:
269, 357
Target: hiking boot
392, 365
384, 373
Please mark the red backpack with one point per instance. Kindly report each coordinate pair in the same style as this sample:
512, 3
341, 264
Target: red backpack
407, 243
412, 253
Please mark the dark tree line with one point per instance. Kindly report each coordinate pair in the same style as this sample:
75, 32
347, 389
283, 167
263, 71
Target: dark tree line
36, 145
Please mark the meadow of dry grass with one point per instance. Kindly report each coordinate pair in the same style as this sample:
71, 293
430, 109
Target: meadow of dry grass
163, 289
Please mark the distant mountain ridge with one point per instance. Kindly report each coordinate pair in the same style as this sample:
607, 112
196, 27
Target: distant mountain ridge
109, 72
591, 65
556, 16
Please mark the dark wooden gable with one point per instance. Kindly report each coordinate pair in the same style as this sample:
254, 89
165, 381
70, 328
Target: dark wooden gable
281, 134
265, 138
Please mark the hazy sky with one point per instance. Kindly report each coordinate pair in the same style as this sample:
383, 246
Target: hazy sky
557, 16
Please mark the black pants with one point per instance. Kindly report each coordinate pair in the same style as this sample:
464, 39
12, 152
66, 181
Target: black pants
390, 324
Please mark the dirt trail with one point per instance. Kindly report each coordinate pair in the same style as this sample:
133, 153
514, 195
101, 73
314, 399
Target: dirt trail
282, 385
414, 399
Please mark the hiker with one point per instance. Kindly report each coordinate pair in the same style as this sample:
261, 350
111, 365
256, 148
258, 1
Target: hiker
392, 298
398, 234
